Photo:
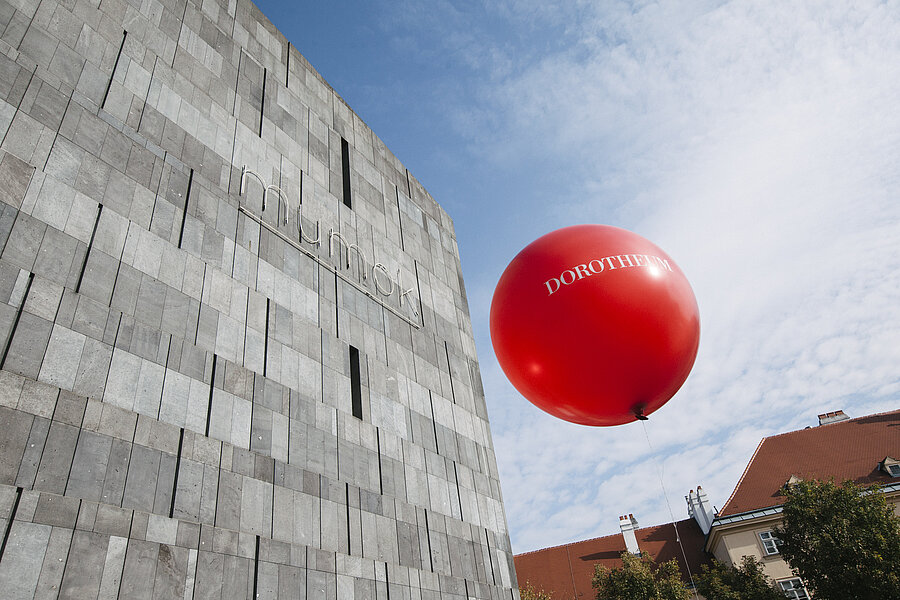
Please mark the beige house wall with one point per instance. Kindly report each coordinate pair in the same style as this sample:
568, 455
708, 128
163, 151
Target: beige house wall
730, 543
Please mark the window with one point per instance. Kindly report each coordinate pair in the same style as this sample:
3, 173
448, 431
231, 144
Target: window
770, 543
793, 588
355, 384
894, 470
345, 172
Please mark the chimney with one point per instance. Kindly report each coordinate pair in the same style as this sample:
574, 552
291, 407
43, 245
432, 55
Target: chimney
832, 417
628, 524
698, 507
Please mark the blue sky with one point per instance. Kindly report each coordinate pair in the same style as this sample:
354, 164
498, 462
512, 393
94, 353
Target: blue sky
756, 142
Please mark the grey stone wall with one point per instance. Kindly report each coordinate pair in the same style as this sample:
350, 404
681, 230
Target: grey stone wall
197, 399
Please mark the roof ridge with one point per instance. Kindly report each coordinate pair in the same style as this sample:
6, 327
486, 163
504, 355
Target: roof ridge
817, 427
599, 537
812, 431
744, 474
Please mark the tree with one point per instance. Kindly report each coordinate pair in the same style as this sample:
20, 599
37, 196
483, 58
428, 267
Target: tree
529, 593
638, 580
843, 541
747, 582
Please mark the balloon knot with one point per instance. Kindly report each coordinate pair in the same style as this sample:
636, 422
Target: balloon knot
639, 413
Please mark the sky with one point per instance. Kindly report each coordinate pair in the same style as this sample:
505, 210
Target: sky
757, 143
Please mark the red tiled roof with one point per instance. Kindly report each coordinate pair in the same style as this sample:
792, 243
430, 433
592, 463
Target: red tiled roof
566, 571
845, 450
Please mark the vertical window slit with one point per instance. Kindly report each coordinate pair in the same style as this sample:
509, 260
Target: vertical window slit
347, 501
15, 325
115, 67
355, 383
256, 568
212, 386
199, 304
419, 292
458, 492
380, 476
345, 172
187, 197
400, 220
262, 102
287, 67
337, 325
387, 582
87, 252
428, 536
487, 544
9, 524
177, 468
449, 371
266, 342
437, 446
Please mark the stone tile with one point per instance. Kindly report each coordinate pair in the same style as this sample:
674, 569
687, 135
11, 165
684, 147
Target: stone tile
23, 558
56, 459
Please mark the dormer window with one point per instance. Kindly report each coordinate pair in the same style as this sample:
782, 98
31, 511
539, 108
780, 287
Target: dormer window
771, 544
794, 480
891, 466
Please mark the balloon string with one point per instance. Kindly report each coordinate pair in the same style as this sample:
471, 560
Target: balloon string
671, 514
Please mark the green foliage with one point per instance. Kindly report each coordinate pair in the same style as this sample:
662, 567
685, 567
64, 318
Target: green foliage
747, 582
529, 593
638, 580
843, 543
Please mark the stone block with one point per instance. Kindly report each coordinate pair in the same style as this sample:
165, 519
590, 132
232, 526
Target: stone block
87, 558
58, 511
56, 459
23, 559
55, 557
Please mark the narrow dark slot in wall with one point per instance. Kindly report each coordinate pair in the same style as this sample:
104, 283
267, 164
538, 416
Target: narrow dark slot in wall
212, 386
380, 475
337, 312
15, 325
345, 171
400, 221
437, 446
347, 506
262, 102
256, 568
387, 582
266, 342
449, 371
355, 383
9, 523
419, 293
71, 464
199, 304
218, 484
177, 468
287, 67
87, 252
428, 536
187, 197
115, 66
458, 493
487, 544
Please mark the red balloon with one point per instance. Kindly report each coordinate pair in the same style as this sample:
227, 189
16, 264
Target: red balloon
595, 325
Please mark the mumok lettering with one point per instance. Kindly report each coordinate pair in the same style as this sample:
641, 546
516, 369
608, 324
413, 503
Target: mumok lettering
607, 263
375, 275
